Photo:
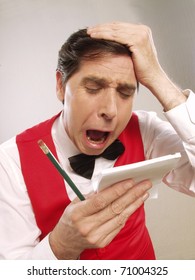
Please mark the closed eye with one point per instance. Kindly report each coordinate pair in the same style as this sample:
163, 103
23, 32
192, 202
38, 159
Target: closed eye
93, 89
126, 93
93, 84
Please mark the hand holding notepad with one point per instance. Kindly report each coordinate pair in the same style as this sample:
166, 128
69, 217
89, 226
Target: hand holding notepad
153, 169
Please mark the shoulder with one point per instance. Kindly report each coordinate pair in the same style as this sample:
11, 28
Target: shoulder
147, 118
9, 153
37, 131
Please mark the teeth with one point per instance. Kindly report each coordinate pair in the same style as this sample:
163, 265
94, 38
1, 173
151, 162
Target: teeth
101, 140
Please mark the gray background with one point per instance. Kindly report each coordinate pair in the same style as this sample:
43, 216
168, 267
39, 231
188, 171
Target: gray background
31, 33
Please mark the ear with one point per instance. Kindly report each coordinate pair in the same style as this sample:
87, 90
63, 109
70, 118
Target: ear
60, 87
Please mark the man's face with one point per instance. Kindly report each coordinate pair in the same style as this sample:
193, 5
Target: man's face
98, 102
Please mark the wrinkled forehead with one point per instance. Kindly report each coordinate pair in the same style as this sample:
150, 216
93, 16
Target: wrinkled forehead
110, 68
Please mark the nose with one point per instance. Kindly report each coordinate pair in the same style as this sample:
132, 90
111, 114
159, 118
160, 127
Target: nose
108, 108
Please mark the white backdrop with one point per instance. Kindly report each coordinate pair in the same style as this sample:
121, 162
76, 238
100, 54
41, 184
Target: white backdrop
31, 33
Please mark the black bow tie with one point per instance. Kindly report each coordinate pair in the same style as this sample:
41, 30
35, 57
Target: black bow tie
84, 164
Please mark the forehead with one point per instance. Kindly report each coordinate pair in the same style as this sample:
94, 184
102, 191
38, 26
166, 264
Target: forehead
112, 68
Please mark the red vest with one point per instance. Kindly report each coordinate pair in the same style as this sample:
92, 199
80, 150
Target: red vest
49, 198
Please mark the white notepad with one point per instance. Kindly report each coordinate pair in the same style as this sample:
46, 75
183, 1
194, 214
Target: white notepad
153, 169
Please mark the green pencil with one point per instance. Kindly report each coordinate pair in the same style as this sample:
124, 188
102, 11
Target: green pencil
49, 154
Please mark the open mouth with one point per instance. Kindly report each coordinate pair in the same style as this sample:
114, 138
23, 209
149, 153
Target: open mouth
97, 136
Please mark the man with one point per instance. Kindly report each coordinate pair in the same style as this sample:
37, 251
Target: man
97, 77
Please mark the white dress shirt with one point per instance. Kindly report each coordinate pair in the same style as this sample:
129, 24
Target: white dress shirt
19, 234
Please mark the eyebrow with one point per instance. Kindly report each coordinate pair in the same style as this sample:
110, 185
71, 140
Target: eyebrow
104, 83
100, 81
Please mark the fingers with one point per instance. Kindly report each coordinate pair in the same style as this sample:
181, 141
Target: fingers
113, 27
136, 193
112, 32
120, 205
125, 205
103, 226
115, 199
138, 38
96, 221
101, 200
124, 33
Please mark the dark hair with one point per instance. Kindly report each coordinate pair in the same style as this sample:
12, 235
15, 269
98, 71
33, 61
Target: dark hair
81, 47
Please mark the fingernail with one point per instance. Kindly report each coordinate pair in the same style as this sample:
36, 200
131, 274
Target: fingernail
145, 196
93, 34
89, 29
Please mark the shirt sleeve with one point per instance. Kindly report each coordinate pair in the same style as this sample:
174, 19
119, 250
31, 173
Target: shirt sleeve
42, 251
182, 119
177, 134
19, 233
